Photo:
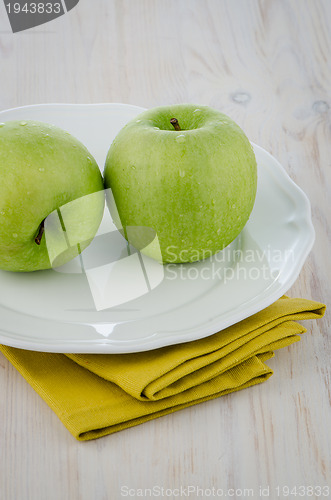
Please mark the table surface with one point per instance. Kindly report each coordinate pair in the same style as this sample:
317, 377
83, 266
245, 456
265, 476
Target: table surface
266, 64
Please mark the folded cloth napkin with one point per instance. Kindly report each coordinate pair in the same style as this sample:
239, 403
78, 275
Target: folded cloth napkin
98, 394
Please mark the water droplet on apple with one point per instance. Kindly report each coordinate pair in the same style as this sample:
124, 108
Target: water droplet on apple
182, 173
132, 166
234, 205
218, 231
213, 202
196, 110
2, 124
15, 235
2, 212
180, 138
138, 121
156, 128
89, 160
23, 123
41, 169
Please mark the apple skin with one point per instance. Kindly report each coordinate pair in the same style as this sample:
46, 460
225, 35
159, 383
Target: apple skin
42, 169
195, 187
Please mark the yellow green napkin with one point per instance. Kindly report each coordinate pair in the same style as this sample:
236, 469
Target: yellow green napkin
98, 394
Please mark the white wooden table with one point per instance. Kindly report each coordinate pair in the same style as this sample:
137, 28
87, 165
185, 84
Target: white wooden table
266, 64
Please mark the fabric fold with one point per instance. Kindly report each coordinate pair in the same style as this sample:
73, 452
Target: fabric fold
98, 394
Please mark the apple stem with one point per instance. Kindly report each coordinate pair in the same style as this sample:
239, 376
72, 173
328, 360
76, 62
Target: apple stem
40, 232
175, 124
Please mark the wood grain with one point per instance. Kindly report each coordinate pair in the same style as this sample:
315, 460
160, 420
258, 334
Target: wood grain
267, 64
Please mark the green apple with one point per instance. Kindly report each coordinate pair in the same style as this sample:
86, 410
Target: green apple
187, 172
51, 196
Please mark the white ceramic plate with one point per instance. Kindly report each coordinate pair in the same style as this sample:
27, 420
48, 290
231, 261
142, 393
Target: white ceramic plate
128, 303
